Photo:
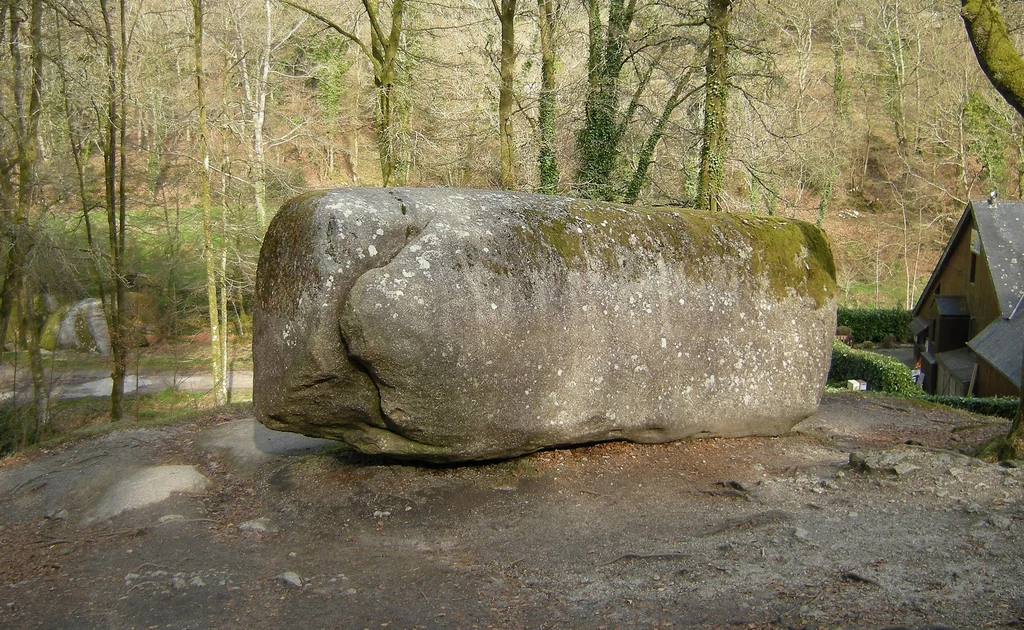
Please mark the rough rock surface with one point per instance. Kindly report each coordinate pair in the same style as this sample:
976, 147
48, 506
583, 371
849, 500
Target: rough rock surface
147, 486
451, 325
84, 328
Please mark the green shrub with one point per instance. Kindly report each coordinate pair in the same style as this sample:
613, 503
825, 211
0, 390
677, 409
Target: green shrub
875, 324
17, 429
880, 372
1003, 407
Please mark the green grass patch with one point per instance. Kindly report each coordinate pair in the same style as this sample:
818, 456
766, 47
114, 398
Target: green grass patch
76, 419
863, 294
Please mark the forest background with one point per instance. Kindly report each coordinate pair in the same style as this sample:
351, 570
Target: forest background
145, 146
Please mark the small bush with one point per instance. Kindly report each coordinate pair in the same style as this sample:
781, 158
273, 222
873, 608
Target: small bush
1002, 407
17, 429
875, 324
880, 372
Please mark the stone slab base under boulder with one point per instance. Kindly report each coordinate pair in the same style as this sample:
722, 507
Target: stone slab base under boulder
450, 325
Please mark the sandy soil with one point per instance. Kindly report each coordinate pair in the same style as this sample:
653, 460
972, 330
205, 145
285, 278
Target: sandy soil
738, 533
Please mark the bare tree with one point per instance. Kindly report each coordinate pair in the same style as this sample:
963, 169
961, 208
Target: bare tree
506, 12
114, 184
217, 330
252, 62
547, 165
383, 52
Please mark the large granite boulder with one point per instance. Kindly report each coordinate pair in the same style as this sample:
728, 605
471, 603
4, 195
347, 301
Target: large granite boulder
449, 325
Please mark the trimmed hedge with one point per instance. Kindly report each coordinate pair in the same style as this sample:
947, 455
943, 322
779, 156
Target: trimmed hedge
881, 373
875, 324
1003, 407
888, 375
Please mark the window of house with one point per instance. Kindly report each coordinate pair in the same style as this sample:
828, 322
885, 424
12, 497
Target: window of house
975, 250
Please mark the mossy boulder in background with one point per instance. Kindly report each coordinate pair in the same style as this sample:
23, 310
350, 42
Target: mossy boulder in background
451, 325
48, 340
84, 328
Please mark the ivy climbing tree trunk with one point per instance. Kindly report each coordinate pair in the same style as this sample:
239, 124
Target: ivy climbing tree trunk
716, 101
598, 141
506, 12
382, 53
202, 131
547, 165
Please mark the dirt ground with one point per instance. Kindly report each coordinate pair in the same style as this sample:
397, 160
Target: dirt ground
723, 533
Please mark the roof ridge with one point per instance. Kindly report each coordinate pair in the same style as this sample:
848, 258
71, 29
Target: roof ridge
1017, 309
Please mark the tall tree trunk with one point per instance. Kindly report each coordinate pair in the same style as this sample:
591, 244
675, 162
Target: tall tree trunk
222, 312
837, 39
112, 135
385, 51
28, 154
894, 50
35, 109
8, 192
716, 98
999, 60
259, 183
387, 137
547, 165
506, 13
598, 141
120, 337
213, 305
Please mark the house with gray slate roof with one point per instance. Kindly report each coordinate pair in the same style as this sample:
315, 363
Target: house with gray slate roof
969, 322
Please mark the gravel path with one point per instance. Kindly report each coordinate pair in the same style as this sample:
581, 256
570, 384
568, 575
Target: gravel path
864, 517
93, 383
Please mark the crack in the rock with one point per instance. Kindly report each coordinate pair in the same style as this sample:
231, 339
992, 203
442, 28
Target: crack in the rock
355, 361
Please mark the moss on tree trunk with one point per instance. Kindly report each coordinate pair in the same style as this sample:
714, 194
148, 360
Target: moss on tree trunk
1000, 61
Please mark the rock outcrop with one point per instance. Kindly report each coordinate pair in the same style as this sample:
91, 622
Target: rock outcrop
450, 325
83, 327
